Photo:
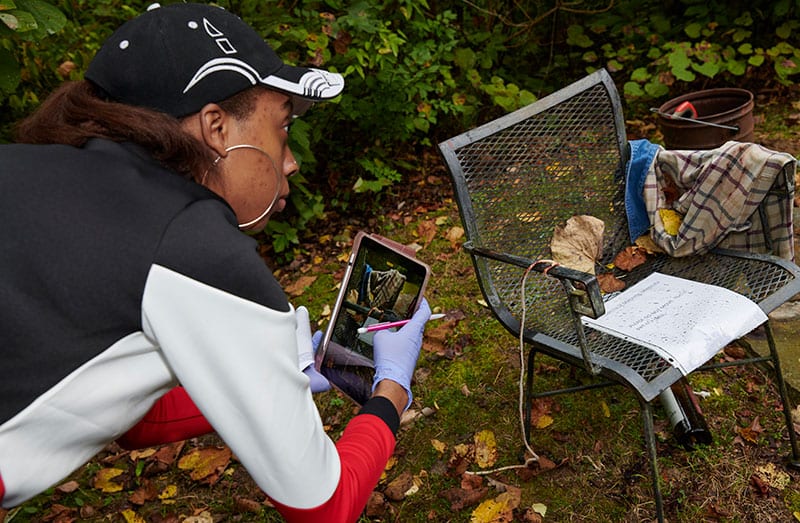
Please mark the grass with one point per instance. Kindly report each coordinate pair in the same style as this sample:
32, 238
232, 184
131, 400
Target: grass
468, 385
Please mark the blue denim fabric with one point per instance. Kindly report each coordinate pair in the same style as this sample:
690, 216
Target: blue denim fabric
643, 153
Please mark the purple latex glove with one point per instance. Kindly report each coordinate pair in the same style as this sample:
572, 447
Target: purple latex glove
396, 353
307, 346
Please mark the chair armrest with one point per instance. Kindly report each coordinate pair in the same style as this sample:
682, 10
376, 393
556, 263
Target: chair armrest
583, 290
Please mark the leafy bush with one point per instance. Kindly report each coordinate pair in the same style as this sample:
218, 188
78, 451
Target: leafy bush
420, 71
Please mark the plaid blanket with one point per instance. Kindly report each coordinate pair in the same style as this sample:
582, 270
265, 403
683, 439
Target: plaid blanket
737, 196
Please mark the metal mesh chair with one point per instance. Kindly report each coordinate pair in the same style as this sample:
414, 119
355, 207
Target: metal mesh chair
517, 178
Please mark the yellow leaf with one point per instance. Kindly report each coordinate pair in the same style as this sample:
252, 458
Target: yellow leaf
606, 410
206, 463
440, 446
144, 453
485, 449
544, 421
441, 220
539, 508
492, 511
774, 477
102, 480
169, 492
671, 220
132, 517
796, 515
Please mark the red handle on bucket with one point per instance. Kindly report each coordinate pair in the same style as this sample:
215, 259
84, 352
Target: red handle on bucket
685, 109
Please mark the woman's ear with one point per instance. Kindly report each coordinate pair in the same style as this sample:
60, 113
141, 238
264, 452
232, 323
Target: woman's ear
213, 124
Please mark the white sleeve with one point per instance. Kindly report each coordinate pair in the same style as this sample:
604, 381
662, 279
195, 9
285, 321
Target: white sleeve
238, 362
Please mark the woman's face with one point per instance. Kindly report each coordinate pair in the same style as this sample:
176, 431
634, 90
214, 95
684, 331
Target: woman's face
251, 180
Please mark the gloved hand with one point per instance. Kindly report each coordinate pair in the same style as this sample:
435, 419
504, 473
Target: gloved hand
306, 348
396, 353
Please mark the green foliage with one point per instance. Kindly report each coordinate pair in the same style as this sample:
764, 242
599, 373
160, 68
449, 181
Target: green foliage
29, 20
418, 72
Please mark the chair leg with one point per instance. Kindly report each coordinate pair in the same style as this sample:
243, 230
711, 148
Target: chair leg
794, 459
650, 443
529, 394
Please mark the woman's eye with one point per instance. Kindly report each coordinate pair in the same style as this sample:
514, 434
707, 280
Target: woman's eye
287, 127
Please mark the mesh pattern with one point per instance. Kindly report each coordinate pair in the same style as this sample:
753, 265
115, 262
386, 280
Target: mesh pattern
531, 175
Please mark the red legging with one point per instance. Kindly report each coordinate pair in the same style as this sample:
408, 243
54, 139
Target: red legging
174, 417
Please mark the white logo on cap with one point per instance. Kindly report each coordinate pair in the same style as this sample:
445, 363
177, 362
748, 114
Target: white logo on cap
224, 44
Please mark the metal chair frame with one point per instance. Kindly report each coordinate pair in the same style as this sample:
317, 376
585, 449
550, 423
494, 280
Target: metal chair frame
519, 176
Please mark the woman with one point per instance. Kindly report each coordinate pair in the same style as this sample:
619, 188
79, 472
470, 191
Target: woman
124, 272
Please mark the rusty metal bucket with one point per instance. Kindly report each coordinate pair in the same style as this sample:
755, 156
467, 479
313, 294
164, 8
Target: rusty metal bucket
722, 115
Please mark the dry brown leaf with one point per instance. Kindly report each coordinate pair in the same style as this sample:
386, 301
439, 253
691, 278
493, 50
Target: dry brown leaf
426, 230
461, 457
146, 492
646, 242
577, 243
246, 505
376, 506
752, 432
460, 498
206, 464
630, 258
69, 486
299, 285
609, 283
397, 488
454, 234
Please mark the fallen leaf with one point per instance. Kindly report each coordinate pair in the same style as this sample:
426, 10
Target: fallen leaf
397, 488
609, 283
170, 491
493, 511
543, 421
461, 457
461, 498
206, 464
772, 476
376, 506
146, 492
202, 517
132, 517
645, 241
540, 509
577, 244
246, 505
103, 480
485, 449
300, 285
630, 258
671, 219
426, 230
141, 454
440, 446
69, 486
454, 234
752, 432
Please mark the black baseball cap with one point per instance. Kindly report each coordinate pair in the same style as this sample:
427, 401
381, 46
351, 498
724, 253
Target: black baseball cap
179, 57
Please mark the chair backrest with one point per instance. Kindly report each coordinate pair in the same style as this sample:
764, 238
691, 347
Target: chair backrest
519, 177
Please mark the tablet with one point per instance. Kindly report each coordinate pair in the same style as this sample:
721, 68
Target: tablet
383, 282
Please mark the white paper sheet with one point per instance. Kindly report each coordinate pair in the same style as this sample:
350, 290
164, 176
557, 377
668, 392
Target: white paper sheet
684, 321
